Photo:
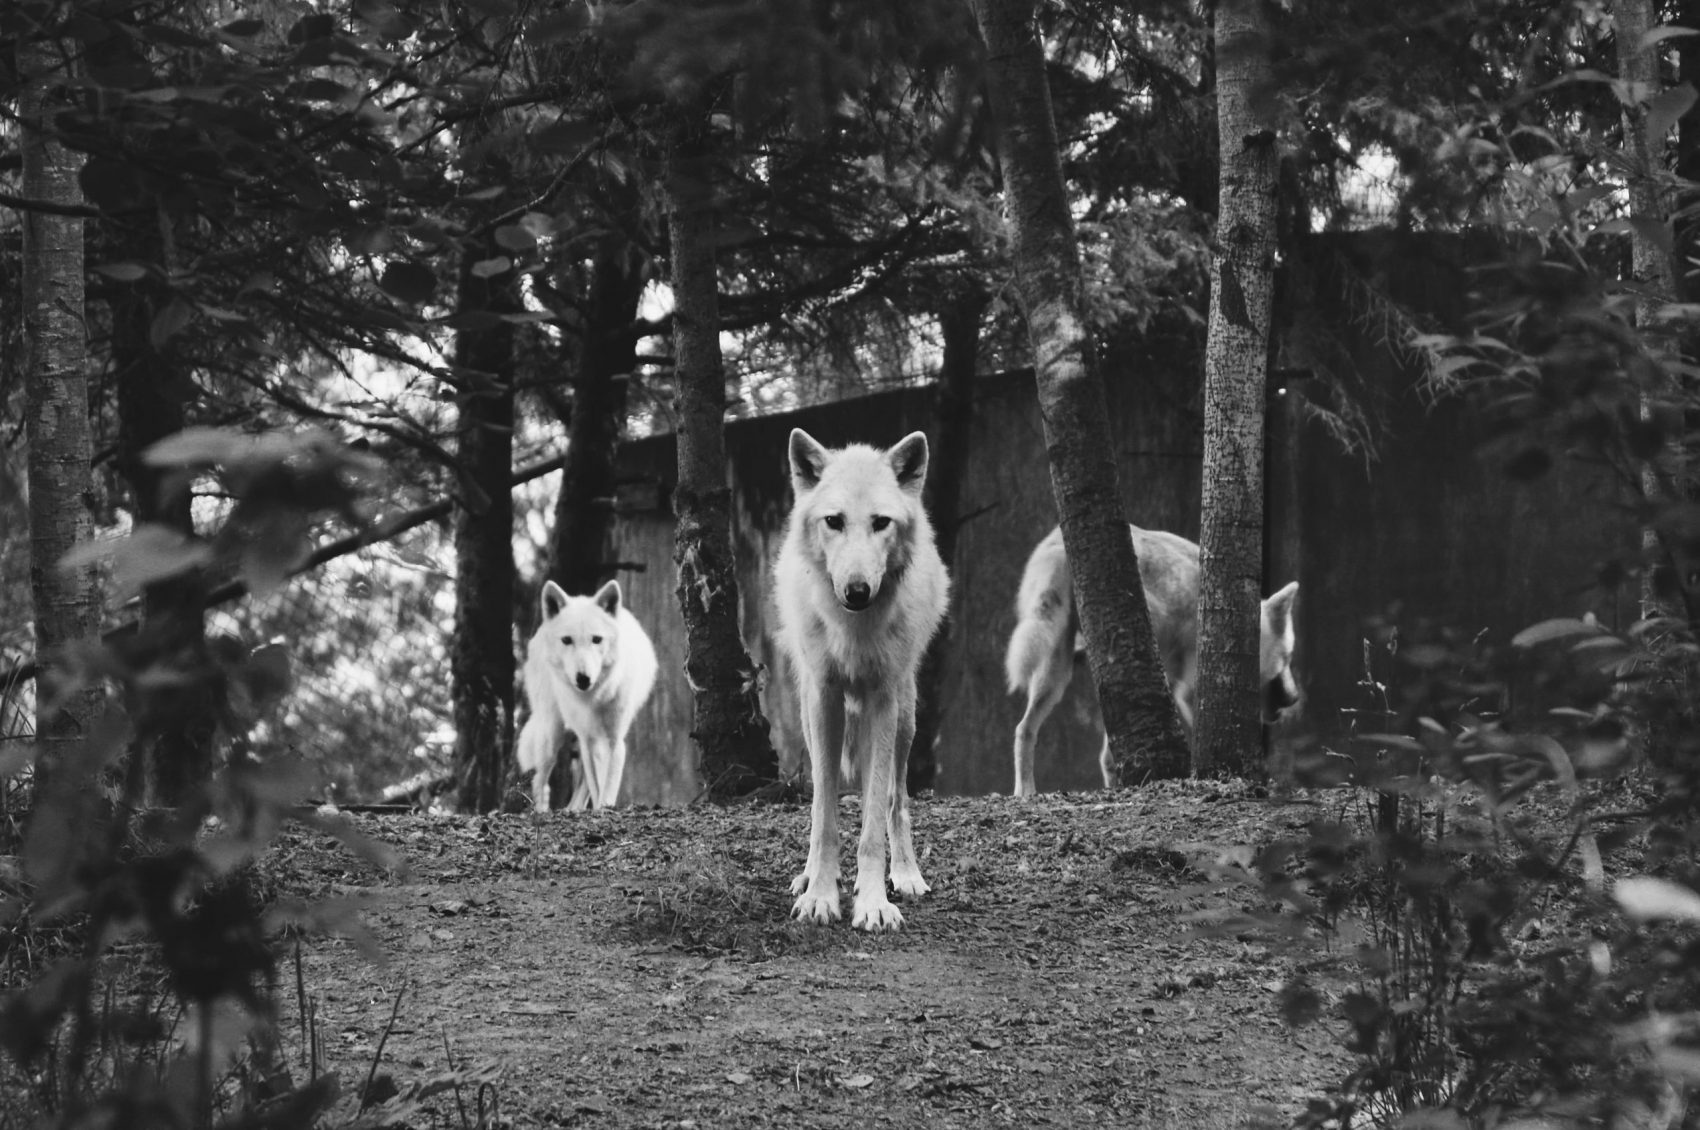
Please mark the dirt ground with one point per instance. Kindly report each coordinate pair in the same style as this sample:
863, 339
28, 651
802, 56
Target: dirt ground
638, 969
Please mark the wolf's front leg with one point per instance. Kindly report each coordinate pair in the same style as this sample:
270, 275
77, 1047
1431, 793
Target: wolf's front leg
602, 759
905, 868
817, 887
616, 772
873, 735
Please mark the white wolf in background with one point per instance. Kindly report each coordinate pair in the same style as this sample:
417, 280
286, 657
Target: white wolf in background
860, 590
588, 670
1041, 653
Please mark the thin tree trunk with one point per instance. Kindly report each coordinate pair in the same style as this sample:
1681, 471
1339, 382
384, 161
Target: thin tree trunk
482, 659
174, 726
582, 540
1228, 735
579, 559
727, 722
959, 325
1139, 716
1638, 67
67, 603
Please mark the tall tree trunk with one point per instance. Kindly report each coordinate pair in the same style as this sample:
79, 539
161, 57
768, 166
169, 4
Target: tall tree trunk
1638, 69
1228, 734
67, 603
174, 726
959, 325
1139, 716
482, 660
175, 733
584, 510
727, 722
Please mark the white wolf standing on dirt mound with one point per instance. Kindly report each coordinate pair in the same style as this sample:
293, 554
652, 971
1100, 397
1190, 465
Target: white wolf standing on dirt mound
588, 670
1042, 647
860, 590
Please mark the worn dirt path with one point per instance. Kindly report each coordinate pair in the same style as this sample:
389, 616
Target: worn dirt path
637, 969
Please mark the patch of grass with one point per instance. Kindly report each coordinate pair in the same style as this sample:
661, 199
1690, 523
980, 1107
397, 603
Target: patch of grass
706, 904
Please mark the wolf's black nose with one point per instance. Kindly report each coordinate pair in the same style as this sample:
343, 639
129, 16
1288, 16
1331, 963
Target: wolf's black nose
583, 682
857, 594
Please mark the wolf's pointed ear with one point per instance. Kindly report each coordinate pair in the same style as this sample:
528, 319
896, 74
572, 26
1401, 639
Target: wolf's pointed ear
554, 599
909, 460
608, 598
808, 460
1279, 608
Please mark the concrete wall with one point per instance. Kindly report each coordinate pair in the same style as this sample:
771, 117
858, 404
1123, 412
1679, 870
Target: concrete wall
1431, 527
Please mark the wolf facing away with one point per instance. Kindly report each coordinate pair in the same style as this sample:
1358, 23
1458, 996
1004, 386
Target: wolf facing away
860, 591
588, 669
1041, 653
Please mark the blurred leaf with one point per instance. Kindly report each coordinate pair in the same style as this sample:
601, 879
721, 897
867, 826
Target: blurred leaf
1530, 463
1656, 35
152, 553
1644, 898
123, 272
311, 27
408, 281
513, 237
197, 446
275, 546
486, 268
1546, 630
379, 855
170, 322
1666, 109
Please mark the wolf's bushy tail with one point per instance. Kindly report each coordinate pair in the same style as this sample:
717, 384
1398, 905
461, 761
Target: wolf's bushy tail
1044, 612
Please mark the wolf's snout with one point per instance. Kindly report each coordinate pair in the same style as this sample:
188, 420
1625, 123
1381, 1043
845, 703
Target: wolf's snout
583, 681
858, 595
1280, 695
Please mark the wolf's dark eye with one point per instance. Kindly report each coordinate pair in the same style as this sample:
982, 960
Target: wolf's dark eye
595, 639
835, 521
881, 522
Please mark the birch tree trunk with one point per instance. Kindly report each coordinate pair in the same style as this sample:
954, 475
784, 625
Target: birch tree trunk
1228, 734
727, 722
481, 664
1139, 716
67, 603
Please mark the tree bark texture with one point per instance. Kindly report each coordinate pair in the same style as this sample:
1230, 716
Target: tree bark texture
727, 722
482, 661
1662, 476
579, 558
1228, 731
67, 603
1139, 716
959, 325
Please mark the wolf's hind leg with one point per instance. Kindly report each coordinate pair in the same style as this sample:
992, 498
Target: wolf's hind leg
1045, 689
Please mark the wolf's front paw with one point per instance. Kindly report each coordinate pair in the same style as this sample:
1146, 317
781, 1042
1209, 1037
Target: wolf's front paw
908, 882
874, 913
817, 903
